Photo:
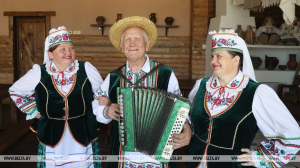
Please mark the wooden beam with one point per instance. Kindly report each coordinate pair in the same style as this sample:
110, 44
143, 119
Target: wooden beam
29, 13
48, 25
11, 26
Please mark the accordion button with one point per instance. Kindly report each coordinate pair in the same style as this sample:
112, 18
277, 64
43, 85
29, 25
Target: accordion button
208, 129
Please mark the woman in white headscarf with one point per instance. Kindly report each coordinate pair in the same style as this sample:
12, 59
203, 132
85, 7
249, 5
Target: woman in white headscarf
230, 107
59, 95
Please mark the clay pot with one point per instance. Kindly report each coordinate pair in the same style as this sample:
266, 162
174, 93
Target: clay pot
169, 20
240, 32
271, 62
256, 62
282, 67
100, 20
292, 63
119, 16
249, 36
152, 17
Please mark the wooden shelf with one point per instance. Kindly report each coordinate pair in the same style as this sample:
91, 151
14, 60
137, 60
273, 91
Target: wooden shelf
168, 27
273, 47
101, 26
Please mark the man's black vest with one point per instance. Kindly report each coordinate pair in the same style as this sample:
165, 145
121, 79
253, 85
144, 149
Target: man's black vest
164, 74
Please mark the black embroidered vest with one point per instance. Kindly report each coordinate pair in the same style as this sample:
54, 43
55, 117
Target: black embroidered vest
224, 133
59, 111
164, 74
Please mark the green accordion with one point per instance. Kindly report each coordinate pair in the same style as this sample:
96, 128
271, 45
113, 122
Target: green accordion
149, 118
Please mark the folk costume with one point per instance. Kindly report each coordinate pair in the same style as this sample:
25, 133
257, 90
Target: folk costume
290, 33
226, 119
162, 78
68, 126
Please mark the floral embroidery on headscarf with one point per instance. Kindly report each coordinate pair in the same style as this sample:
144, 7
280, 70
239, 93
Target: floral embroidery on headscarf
223, 42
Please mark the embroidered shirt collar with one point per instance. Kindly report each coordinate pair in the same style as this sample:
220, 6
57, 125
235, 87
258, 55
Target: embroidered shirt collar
53, 70
238, 83
145, 68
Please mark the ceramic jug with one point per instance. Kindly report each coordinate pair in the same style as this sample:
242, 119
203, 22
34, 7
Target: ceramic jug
169, 20
119, 16
152, 17
100, 20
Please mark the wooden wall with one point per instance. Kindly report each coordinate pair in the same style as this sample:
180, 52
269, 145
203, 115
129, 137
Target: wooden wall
202, 11
172, 51
6, 60
184, 54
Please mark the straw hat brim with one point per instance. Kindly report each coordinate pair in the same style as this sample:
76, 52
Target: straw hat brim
120, 26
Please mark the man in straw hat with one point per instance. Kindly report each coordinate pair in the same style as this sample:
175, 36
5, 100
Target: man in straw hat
133, 36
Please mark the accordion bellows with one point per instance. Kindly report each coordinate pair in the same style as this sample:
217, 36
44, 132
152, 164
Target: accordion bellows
149, 118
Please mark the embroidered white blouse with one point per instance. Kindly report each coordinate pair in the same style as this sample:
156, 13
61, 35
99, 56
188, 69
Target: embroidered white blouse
272, 117
22, 93
132, 158
268, 30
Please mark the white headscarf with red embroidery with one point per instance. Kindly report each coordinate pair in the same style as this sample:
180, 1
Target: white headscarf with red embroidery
229, 40
55, 37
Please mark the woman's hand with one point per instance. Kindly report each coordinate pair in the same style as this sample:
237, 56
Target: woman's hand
104, 101
38, 116
246, 157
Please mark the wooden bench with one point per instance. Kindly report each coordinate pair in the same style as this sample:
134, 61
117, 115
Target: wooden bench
13, 112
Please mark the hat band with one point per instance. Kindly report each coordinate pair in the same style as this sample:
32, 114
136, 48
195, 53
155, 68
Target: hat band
227, 49
59, 43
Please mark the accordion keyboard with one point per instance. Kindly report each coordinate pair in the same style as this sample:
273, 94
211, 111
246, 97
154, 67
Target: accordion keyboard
122, 127
176, 129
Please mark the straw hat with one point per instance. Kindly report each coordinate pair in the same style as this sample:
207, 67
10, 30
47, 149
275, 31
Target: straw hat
120, 26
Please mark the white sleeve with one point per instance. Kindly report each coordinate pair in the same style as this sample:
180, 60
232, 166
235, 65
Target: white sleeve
173, 85
194, 91
93, 75
174, 88
99, 110
276, 30
259, 31
278, 126
22, 92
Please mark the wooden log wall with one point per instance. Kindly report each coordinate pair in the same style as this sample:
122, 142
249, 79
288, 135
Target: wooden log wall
6, 60
202, 11
96, 49
184, 54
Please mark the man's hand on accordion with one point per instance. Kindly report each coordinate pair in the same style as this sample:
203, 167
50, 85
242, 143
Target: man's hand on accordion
113, 112
183, 139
